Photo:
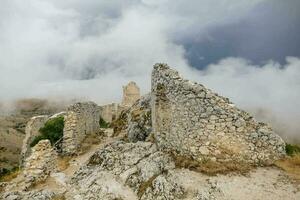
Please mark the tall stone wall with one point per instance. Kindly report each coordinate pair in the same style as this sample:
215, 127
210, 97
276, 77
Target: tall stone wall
81, 120
32, 130
193, 121
131, 93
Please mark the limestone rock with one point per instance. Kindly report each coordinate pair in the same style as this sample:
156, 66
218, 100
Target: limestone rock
188, 118
81, 120
139, 120
31, 131
37, 168
126, 166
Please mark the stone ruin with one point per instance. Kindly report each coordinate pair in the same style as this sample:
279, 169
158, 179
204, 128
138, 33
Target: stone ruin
110, 112
131, 93
81, 120
192, 121
37, 167
179, 117
31, 131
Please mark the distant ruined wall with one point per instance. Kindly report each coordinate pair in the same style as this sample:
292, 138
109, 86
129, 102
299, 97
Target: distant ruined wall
110, 112
81, 120
32, 130
193, 121
131, 93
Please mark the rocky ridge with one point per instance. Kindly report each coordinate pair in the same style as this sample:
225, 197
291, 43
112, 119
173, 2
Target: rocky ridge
172, 121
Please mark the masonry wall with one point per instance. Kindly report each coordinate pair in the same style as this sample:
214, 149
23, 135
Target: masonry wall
111, 111
193, 121
81, 120
131, 93
31, 131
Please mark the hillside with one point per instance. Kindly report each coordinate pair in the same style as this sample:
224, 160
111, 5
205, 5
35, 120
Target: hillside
181, 141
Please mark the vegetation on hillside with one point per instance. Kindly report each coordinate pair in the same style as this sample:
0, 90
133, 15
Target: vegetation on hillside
8, 174
292, 149
52, 130
291, 163
103, 123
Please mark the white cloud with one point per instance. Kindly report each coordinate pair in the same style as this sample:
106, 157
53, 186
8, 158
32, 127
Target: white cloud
88, 49
270, 91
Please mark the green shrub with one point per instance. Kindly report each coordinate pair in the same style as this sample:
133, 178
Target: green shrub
292, 149
103, 123
52, 130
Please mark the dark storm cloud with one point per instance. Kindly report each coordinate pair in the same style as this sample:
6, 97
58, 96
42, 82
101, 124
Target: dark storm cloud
269, 32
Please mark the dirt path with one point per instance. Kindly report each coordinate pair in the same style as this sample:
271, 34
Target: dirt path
80, 160
57, 181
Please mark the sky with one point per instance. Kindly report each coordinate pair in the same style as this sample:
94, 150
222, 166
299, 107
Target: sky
246, 50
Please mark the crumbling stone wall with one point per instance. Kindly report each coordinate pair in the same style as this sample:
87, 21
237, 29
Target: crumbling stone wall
110, 112
193, 121
37, 167
131, 93
32, 130
81, 120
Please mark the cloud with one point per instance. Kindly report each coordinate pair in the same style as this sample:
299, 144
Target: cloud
270, 91
54, 47
89, 49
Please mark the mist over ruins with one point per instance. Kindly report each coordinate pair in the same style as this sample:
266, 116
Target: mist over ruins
149, 100
179, 141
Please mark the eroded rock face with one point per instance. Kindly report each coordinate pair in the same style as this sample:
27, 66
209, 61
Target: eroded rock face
121, 166
37, 167
32, 130
268, 184
31, 195
195, 122
81, 120
139, 120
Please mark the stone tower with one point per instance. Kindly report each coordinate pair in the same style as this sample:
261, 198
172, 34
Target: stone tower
131, 93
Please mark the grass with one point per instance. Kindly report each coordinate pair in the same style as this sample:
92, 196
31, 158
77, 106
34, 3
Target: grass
210, 167
63, 162
10, 175
292, 149
103, 123
291, 163
143, 187
52, 130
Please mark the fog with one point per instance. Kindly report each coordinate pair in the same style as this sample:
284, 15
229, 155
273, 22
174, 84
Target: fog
89, 49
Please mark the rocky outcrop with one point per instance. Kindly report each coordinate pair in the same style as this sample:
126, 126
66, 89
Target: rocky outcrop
31, 131
37, 168
81, 120
139, 120
119, 170
267, 184
195, 122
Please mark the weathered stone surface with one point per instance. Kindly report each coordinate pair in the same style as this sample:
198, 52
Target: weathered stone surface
31, 195
195, 122
267, 184
37, 167
131, 93
126, 166
110, 112
139, 120
81, 120
31, 130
